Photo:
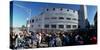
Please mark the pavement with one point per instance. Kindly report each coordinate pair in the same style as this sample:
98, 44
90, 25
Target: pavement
42, 45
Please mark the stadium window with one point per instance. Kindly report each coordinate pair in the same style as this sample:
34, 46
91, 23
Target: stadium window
74, 19
67, 10
53, 17
68, 26
74, 26
61, 26
61, 17
53, 8
47, 9
46, 26
68, 18
61, 9
53, 26
32, 20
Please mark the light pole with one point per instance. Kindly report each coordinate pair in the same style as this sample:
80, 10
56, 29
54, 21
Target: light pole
28, 25
28, 10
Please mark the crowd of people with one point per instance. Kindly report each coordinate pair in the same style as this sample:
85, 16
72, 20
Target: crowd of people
31, 39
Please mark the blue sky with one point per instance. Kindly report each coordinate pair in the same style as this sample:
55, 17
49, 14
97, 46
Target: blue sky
91, 10
20, 14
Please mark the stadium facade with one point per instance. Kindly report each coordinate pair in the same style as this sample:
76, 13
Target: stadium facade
58, 19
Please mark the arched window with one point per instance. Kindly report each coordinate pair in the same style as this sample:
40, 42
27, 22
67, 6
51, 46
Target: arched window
32, 20
61, 9
47, 9
67, 9
53, 9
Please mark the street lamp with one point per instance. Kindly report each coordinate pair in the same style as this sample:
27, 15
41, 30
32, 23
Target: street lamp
28, 25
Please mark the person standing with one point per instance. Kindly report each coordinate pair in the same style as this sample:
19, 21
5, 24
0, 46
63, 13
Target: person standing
58, 41
13, 38
20, 41
38, 39
79, 39
65, 40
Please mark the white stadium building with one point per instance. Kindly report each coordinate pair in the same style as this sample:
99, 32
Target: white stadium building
57, 19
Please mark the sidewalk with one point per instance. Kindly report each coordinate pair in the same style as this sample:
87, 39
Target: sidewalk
41, 46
